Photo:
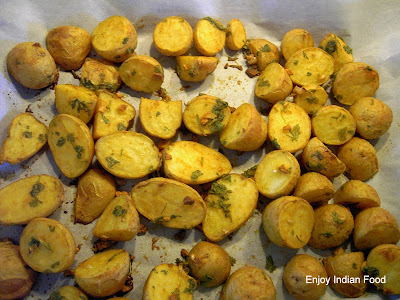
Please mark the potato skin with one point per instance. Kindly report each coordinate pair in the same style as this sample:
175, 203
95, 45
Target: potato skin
295, 40
357, 194
32, 65
338, 49
195, 68
265, 51
98, 74
68, 292
315, 188
235, 35
310, 97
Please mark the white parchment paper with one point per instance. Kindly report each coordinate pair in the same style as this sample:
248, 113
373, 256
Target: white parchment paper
371, 28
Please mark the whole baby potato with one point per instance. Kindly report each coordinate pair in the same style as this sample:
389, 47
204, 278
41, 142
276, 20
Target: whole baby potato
32, 65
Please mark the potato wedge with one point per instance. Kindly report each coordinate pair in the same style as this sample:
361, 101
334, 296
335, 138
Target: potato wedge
71, 144
104, 273
209, 36
265, 52
115, 39
169, 202
310, 97
167, 281
231, 201
25, 137
194, 163
338, 49
357, 194
173, 36
294, 40
277, 174
315, 188
112, 115
289, 127
160, 118
310, 66
47, 246
142, 73
68, 292
205, 115
235, 35
245, 131
195, 68
288, 221
30, 198
127, 154
76, 101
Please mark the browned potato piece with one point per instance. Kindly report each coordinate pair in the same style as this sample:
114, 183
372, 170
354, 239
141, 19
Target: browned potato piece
333, 125
95, 191
373, 117
173, 36
16, 277
310, 97
346, 265
142, 73
205, 115
249, 283
353, 81
375, 226
317, 157
115, 39
209, 263
209, 36
338, 49
310, 66
265, 52
360, 159
295, 274
32, 65
384, 262
47, 246
315, 188
289, 126
235, 35
25, 137
295, 40
274, 84
245, 131
68, 292
99, 74
333, 225
195, 68
69, 46
288, 221
357, 194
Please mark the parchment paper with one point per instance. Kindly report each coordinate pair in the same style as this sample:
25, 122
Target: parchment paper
370, 27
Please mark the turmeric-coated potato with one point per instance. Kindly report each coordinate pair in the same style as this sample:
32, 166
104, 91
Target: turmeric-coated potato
357, 194
235, 35
68, 292
310, 97
195, 68
338, 49
315, 188
265, 52
209, 36
99, 74
295, 40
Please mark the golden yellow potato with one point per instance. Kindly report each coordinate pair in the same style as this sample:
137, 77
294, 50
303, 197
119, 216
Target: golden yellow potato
360, 159
32, 65
375, 226
76, 101
273, 84
104, 273
248, 283
195, 68
69, 46
209, 263
16, 277
310, 66
373, 117
209, 36
25, 137
142, 73
205, 115
288, 221
333, 125
295, 274
173, 36
310, 97
295, 40
94, 192
245, 131
30, 198
338, 49
353, 81
47, 246
235, 35
289, 127
115, 39
99, 74
357, 194
315, 188
265, 52
68, 292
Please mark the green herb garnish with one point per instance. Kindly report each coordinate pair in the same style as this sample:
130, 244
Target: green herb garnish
218, 110
27, 134
327, 234
371, 271
61, 141
107, 121
294, 133
250, 172
56, 296
42, 137
125, 40
80, 105
215, 23
331, 47
192, 286
118, 211
111, 161
264, 83
79, 151
348, 49
121, 127
269, 264
195, 175
336, 218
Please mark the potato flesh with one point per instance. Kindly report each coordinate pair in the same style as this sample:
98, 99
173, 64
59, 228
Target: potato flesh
295, 40
69, 292
18, 206
26, 136
358, 194
169, 202
235, 35
209, 36
310, 97
265, 52
338, 49
195, 68
100, 74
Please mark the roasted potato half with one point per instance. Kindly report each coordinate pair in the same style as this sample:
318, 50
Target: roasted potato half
310, 97
315, 188
235, 35
357, 194
209, 36
30, 198
265, 52
195, 68
338, 49
68, 292
294, 40
25, 137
